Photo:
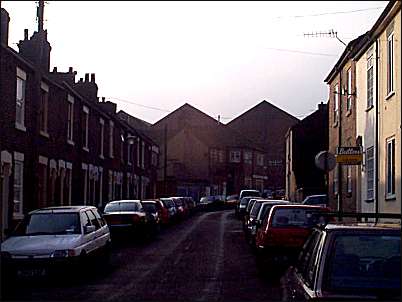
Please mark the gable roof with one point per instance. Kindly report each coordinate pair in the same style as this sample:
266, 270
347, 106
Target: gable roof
264, 105
189, 108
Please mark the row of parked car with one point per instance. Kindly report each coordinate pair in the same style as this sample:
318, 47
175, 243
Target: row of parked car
56, 239
320, 258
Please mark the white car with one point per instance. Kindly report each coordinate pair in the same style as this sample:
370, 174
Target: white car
56, 235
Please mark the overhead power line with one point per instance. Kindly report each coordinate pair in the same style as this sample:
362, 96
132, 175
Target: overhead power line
141, 105
303, 52
331, 13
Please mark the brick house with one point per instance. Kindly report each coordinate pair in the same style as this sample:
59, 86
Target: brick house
59, 144
266, 125
304, 141
342, 127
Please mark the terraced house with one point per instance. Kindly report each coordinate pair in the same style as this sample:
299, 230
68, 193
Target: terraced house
60, 144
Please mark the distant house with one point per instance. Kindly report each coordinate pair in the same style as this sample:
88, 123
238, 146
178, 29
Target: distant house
304, 141
266, 126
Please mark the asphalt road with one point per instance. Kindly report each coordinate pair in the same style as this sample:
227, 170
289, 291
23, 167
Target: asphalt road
204, 258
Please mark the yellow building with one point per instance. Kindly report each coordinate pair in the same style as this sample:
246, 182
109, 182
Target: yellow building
378, 122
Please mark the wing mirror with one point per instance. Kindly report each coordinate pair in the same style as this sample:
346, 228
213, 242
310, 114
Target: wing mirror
89, 229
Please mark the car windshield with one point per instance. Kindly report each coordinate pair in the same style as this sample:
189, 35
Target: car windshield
255, 209
122, 207
149, 207
357, 262
244, 201
295, 217
49, 224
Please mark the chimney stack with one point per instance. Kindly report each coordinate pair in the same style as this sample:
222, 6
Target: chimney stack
92, 77
5, 21
70, 70
26, 34
103, 99
87, 77
81, 80
55, 69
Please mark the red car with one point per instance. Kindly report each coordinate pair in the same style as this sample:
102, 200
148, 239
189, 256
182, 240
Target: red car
284, 232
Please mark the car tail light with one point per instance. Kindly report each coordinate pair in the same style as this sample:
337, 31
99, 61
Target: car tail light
136, 219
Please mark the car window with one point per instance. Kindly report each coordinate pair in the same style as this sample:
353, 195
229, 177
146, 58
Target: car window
307, 262
357, 262
49, 224
149, 207
100, 219
255, 209
85, 221
295, 217
93, 219
123, 207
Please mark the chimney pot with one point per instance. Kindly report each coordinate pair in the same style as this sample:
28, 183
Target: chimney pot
70, 70
26, 34
92, 77
103, 99
81, 80
55, 69
87, 77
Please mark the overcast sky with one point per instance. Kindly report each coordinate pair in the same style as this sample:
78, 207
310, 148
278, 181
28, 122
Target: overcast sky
221, 57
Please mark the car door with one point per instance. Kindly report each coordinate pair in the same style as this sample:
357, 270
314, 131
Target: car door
97, 239
104, 230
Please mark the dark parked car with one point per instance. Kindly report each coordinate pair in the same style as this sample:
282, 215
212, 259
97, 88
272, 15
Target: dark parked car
316, 200
170, 214
347, 262
151, 209
284, 233
126, 216
240, 209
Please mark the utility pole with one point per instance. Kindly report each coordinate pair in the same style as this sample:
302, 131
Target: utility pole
165, 162
331, 34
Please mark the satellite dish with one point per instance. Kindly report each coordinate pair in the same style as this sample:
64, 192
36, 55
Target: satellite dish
325, 161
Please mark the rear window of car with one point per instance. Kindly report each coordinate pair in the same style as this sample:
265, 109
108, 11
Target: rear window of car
123, 207
149, 207
251, 194
364, 261
295, 217
178, 202
244, 201
315, 200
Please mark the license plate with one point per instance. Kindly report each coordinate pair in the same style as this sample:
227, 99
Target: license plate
36, 272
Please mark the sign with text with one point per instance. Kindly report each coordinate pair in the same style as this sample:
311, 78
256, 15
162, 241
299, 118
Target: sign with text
349, 155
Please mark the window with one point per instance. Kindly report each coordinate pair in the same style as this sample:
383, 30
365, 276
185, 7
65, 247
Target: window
349, 179
111, 130
122, 146
18, 184
390, 167
335, 182
20, 100
138, 152
370, 173
143, 155
248, 157
85, 183
248, 182
85, 111
336, 103
221, 156
370, 80
129, 152
102, 137
234, 156
70, 119
154, 159
349, 91
93, 219
260, 160
43, 109
214, 155
390, 63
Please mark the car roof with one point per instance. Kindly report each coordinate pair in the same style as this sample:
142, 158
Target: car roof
362, 226
276, 202
148, 201
62, 209
318, 195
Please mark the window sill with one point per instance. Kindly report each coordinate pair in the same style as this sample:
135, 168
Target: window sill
390, 197
334, 125
390, 95
70, 142
43, 133
20, 127
85, 149
369, 200
369, 108
349, 112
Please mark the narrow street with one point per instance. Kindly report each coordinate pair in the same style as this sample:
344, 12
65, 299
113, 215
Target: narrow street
204, 258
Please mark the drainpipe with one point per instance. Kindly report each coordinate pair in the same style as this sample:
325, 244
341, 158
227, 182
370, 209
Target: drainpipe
376, 128
340, 201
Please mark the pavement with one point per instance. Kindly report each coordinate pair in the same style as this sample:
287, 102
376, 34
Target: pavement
204, 258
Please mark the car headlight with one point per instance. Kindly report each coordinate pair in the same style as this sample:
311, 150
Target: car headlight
63, 253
